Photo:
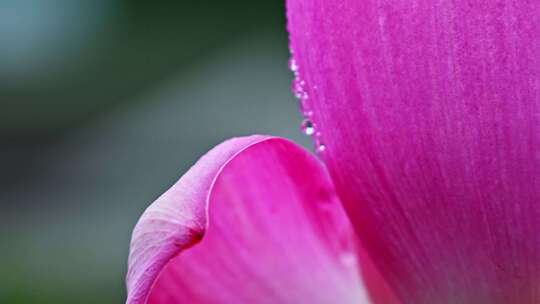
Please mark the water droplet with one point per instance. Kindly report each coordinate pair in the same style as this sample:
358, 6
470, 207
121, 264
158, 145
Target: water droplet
308, 127
293, 65
321, 147
298, 89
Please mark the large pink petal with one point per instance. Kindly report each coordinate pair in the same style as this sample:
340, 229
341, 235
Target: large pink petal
430, 115
256, 220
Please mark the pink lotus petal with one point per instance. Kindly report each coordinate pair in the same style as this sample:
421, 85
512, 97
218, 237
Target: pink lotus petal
256, 220
430, 115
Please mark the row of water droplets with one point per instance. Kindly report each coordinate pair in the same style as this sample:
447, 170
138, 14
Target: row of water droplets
308, 127
347, 256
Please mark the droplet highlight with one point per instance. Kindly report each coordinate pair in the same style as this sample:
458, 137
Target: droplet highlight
308, 127
293, 66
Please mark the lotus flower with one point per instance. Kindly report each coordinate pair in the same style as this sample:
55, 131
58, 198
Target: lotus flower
427, 118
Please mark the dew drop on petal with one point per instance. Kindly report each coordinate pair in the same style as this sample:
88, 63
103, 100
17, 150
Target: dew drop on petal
321, 147
293, 66
307, 127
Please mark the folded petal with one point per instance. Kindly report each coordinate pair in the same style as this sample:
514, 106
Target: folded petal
430, 116
256, 220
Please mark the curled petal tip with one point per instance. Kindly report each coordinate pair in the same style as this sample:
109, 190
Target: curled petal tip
256, 220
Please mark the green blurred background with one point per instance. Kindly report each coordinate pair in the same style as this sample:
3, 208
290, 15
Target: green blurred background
104, 104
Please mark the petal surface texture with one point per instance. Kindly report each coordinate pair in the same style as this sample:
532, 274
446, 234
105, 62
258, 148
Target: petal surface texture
430, 117
256, 220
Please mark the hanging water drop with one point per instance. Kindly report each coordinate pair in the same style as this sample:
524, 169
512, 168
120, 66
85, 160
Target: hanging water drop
293, 66
307, 127
298, 89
